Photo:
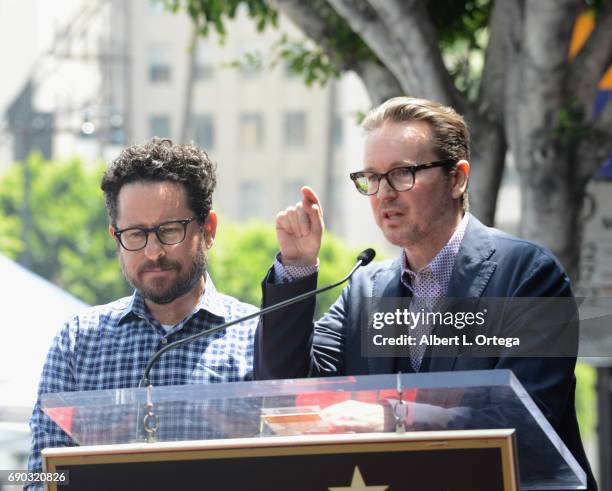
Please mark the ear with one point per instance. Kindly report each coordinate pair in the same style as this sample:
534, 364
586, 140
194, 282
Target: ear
460, 178
111, 231
210, 229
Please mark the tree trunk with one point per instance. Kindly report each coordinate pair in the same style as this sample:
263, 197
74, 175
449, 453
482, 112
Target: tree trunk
551, 207
542, 143
187, 116
488, 148
528, 92
329, 174
379, 82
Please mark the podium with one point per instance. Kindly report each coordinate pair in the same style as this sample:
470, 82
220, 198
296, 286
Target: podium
469, 430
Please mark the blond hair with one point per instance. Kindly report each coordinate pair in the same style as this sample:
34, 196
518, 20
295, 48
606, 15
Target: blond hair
450, 136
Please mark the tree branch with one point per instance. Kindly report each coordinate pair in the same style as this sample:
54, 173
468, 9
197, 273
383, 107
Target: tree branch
486, 118
410, 26
306, 18
548, 28
547, 33
365, 21
492, 82
593, 59
511, 14
380, 83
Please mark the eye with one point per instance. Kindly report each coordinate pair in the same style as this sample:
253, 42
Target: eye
133, 233
402, 172
171, 227
401, 175
171, 230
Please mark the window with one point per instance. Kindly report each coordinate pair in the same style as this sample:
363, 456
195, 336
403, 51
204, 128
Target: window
251, 131
295, 129
203, 72
204, 68
156, 7
250, 199
204, 131
158, 61
159, 125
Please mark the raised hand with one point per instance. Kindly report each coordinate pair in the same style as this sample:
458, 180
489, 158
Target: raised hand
299, 230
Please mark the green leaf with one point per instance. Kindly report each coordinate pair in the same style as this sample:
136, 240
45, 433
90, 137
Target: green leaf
67, 240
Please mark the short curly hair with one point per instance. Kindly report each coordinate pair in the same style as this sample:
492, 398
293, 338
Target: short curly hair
161, 160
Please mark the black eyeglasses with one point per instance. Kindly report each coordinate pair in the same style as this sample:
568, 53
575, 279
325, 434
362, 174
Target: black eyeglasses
399, 178
168, 233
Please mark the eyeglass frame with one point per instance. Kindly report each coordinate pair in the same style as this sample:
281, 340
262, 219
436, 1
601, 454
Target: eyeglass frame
147, 230
413, 169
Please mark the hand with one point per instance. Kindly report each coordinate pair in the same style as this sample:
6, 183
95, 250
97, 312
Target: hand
365, 417
299, 230
357, 416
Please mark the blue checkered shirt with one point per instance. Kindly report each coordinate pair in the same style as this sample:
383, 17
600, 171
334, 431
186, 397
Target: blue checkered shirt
108, 347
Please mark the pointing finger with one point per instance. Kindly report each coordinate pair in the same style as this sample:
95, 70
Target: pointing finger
312, 206
310, 199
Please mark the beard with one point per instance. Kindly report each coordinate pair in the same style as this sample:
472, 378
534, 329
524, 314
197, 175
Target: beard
161, 291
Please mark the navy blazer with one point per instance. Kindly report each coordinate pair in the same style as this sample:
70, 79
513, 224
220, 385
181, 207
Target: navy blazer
490, 263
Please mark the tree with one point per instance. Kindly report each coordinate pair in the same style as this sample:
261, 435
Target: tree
528, 98
67, 241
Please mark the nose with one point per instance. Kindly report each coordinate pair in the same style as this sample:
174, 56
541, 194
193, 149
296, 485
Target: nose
154, 248
385, 191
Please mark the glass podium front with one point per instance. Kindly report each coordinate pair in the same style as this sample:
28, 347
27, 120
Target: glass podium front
490, 399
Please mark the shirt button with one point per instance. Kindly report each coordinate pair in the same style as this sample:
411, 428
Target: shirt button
164, 341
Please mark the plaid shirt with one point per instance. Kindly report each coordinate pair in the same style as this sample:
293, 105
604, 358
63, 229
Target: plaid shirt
108, 347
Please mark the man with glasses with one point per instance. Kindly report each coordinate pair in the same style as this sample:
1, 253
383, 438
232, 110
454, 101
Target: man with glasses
159, 199
415, 176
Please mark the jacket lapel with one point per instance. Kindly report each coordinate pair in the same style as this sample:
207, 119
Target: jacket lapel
386, 284
471, 274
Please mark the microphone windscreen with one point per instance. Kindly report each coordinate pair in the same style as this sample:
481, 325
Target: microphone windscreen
366, 256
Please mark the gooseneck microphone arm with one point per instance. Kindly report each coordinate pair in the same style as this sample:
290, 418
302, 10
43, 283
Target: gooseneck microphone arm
363, 259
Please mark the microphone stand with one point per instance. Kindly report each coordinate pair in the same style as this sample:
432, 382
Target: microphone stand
363, 259
150, 421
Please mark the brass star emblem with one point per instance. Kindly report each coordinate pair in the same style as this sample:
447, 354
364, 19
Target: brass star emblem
357, 484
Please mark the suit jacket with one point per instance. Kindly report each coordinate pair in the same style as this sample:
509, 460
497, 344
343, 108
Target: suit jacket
490, 263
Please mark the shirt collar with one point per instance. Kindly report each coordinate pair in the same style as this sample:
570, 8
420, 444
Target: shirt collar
210, 300
436, 267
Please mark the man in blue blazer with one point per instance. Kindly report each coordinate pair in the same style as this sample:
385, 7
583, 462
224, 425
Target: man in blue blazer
416, 168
